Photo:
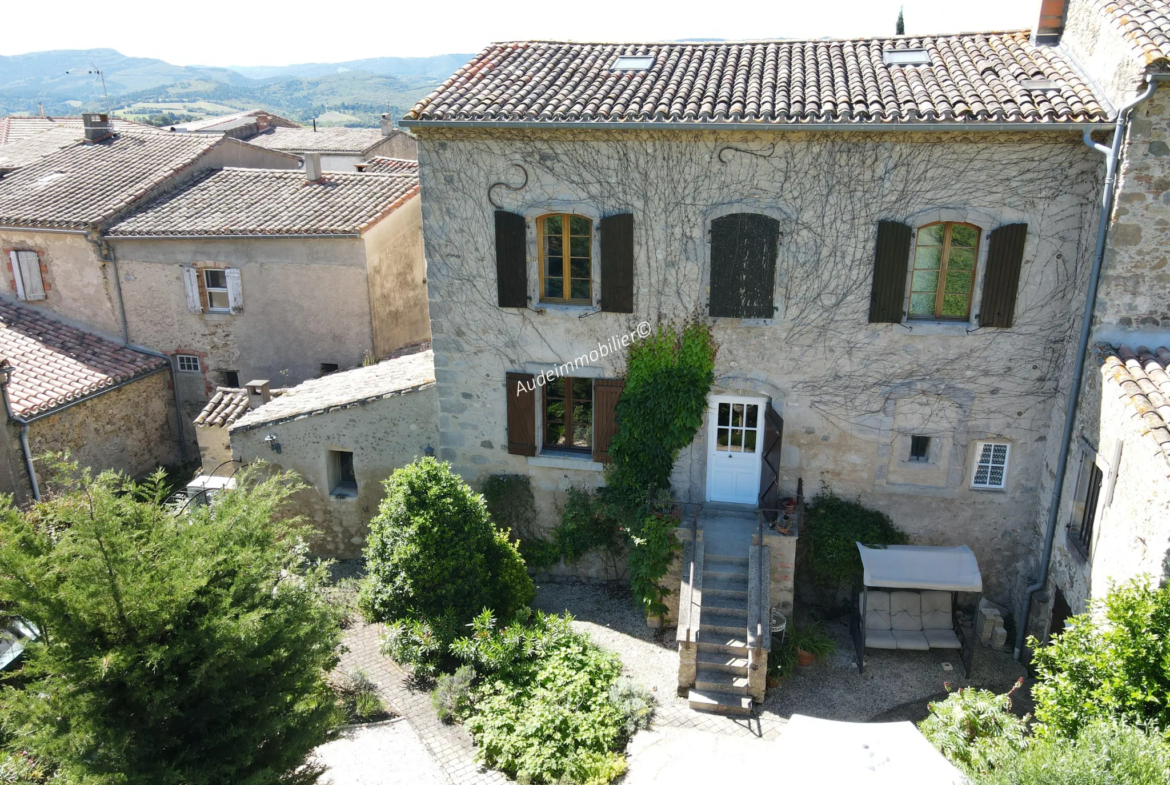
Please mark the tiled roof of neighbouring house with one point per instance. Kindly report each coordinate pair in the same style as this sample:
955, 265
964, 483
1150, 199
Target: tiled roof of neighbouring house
54, 364
382, 165
31, 149
90, 183
228, 121
1144, 378
13, 129
270, 202
1144, 23
972, 78
387, 379
226, 406
341, 141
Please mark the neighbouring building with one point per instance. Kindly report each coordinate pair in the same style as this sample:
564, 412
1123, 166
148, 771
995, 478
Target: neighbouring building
15, 128
65, 389
341, 149
382, 165
241, 125
31, 149
268, 274
344, 434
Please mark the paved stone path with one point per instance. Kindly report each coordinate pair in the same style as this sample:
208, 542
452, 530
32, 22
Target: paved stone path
382, 753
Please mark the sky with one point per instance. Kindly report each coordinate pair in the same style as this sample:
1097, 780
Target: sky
294, 31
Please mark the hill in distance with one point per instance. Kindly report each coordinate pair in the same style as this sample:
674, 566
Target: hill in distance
151, 90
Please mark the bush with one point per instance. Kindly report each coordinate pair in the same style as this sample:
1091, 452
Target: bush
176, 649
433, 552
359, 697
422, 645
1105, 753
831, 532
1116, 665
975, 729
451, 697
634, 702
543, 711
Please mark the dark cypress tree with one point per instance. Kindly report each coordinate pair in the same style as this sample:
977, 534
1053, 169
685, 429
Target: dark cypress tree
901, 29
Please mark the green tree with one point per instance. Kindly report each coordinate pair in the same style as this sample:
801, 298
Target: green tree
900, 28
433, 552
178, 647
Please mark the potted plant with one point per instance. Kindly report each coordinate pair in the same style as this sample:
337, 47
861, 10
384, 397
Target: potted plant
810, 643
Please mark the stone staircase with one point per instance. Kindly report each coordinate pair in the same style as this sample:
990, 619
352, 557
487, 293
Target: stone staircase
721, 659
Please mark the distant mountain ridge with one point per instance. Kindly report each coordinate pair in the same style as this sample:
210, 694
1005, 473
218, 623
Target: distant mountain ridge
439, 66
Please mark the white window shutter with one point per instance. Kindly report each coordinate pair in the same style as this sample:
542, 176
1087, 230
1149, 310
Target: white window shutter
191, 282
14, 256
235, 293
31, 281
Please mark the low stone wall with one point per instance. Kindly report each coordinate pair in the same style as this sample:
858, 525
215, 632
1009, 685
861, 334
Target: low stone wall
782, 568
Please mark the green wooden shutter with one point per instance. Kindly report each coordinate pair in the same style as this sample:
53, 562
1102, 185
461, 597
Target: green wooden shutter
1005, 257
891, 261
606, 393
743, 266
617, 263
511, 260
521, 391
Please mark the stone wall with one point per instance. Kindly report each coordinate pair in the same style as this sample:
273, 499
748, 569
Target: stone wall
383, 435
129, 429
850, 392
397, 275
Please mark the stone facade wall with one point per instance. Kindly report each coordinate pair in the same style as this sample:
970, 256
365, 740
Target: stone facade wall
1131, 537
398, 280
383, 436
130, 429
215, 448
850, 392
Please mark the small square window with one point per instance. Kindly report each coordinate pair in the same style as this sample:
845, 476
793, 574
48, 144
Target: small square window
920, 448
1084, 511
188, 363
991, 463
230, 378
342, 479
215, 282
327, 368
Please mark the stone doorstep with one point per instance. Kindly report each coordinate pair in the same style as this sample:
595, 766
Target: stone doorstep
721, 661
709, 681
720, 703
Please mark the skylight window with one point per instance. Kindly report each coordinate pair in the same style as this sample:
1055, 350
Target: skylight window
1039, 85
906, 57
633, 63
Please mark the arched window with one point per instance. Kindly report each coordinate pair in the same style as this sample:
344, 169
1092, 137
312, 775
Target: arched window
566, 259
943, 277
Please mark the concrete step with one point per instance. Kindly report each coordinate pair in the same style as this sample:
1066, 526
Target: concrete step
714, 622
735, 561
723, 643
724, 571
726, 587
720, 702
722, 661
707, 681
720, 606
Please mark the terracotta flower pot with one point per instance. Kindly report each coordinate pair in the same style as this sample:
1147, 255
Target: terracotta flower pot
773, 682
805, 658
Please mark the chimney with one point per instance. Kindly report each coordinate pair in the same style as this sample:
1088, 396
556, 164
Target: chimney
387, 124
263, 122
312, 167
1051, 24
97, 127
258, 393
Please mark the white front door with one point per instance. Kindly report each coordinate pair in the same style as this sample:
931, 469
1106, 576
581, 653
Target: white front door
733, 449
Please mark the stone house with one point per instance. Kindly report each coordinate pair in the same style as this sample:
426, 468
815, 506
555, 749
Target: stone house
16, 128
66, 389
341, 149
886, 236
241, 125
343, 434
269, 274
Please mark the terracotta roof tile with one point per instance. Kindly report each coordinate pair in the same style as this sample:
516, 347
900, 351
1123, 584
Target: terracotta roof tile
1143, 376
264, 202
972, 78
33, 148
53, 363
1146, 25
226, 406
343, 141
381, 165
13, 129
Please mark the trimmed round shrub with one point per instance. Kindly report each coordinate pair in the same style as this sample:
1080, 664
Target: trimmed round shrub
433, 552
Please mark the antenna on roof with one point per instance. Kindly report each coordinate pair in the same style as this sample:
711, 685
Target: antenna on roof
93, 69
314, 125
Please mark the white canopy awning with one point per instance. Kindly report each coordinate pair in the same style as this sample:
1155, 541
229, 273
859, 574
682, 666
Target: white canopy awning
921, 567
880, 753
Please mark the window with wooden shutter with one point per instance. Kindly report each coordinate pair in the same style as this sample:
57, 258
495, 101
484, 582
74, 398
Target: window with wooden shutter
234, 292
191, 285
521, 392
606, 393
1005, 257
1085, 498
891, 255
617, 263
944, 271
743, 266
26, 273
566, 258
511, 261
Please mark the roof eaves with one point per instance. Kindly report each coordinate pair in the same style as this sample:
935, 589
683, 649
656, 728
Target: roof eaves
399, 202
29, 415
252, 424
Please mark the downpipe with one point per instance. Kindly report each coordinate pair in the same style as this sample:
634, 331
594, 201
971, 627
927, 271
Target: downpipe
1112, 154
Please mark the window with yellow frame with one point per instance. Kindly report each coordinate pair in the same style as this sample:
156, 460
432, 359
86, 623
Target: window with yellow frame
566, 259
944, 271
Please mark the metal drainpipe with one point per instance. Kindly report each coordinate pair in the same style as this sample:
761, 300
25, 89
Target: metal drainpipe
1112, 153
24, 448
106, 253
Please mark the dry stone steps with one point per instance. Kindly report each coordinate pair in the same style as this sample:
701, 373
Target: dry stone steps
721, 682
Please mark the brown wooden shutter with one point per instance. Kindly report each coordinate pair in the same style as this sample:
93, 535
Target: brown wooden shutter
511, 260
606, 393
743, 266
521, 413
770, 470
891, 261
1005, 256
617, 263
